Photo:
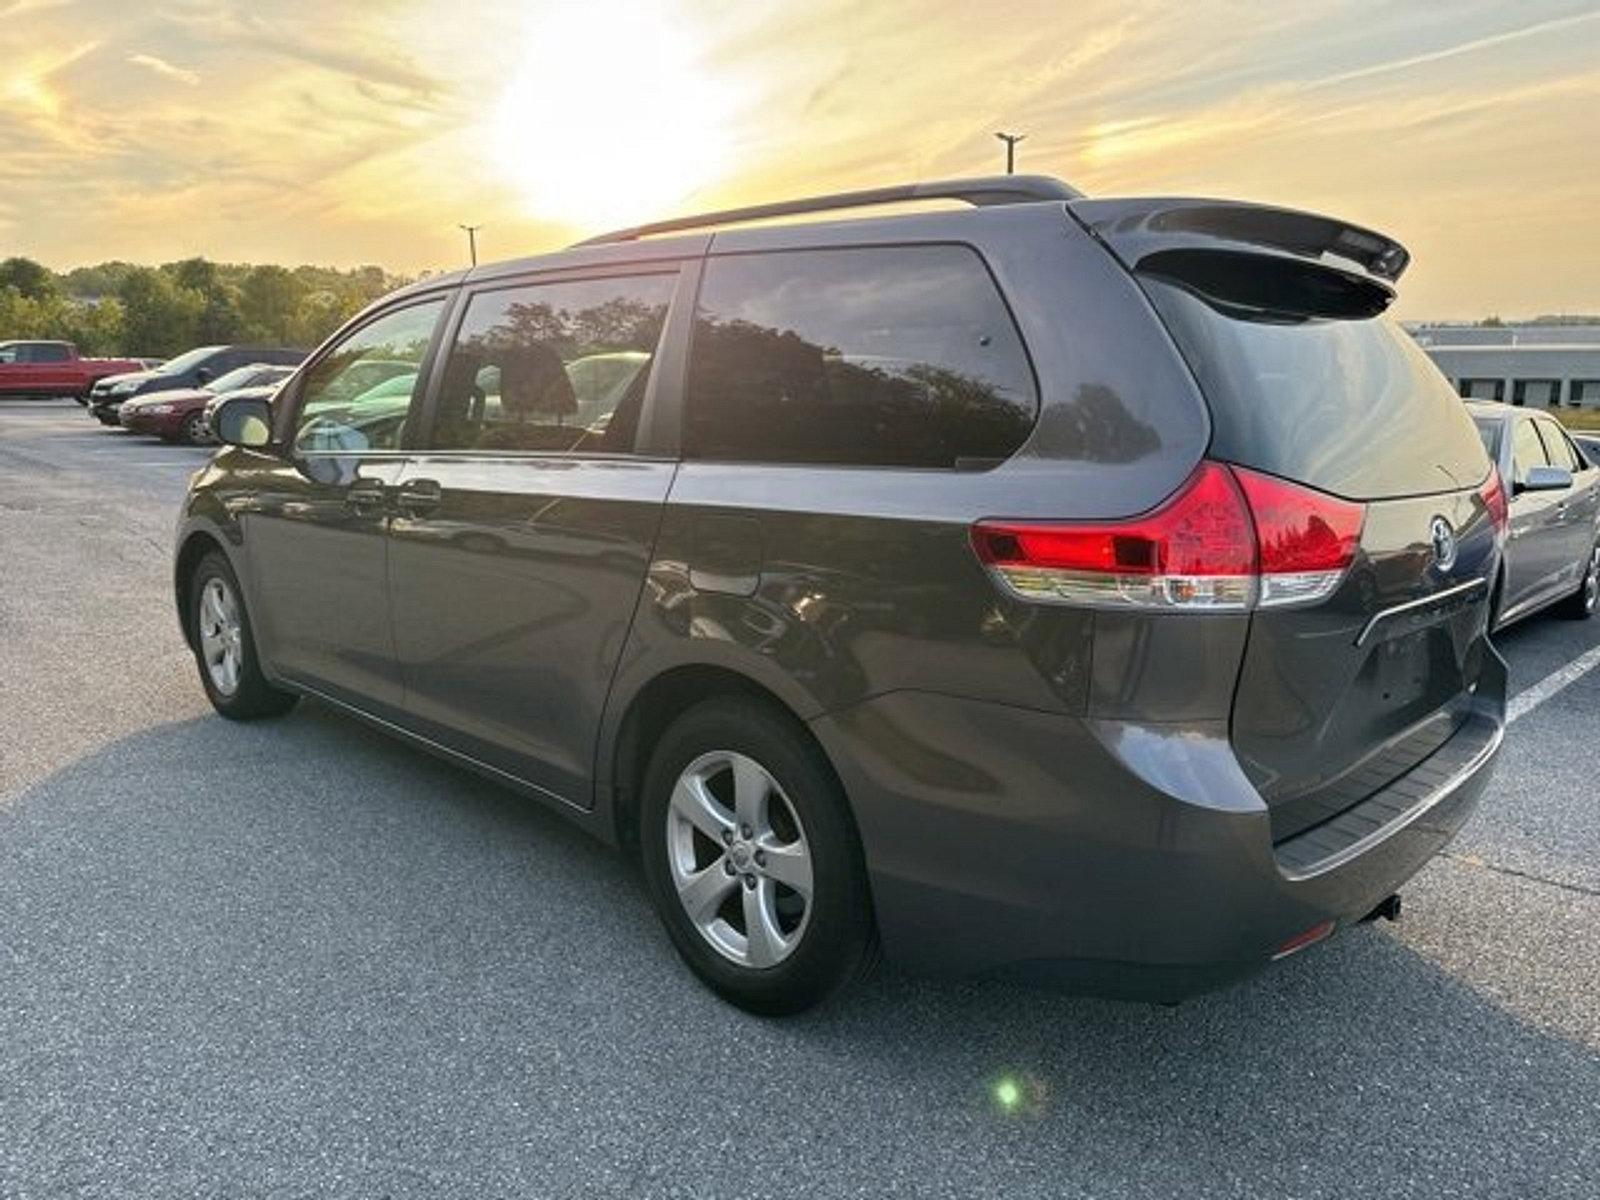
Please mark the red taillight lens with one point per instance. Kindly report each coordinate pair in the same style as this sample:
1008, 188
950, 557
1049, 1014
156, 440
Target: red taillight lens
1229, 538
1203, 530
1493, 494
1307, 538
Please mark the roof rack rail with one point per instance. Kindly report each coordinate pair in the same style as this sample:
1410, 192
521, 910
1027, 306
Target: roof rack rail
981, 191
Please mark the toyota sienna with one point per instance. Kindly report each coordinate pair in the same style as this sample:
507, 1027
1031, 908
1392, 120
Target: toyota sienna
1093, 590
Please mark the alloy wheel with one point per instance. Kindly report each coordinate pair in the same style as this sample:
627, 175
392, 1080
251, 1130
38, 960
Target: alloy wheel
221, 635
739, 859
1591, 581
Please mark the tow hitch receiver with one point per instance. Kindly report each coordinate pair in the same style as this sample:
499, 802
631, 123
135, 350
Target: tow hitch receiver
1389, 909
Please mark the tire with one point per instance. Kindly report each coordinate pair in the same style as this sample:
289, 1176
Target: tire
1581, 605
814, 946
216, 602
192, 433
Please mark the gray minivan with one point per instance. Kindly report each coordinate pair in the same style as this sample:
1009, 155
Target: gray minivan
1092, 590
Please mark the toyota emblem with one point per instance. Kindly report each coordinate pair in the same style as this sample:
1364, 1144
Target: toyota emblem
1444, 543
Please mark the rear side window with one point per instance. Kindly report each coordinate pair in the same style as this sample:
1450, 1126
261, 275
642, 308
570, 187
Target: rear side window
884, 356
50, 352
1350, 406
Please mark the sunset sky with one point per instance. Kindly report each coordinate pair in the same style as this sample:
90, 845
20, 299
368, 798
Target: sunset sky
292, 131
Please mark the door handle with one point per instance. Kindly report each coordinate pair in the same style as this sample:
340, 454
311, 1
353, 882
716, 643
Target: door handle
418, 497
366, 496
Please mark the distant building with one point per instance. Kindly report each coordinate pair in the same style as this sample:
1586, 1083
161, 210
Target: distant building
1540, 366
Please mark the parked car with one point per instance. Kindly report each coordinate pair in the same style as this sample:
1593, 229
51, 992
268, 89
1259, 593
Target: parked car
46, 369
196, 368
1553, 556
178, 414
1095, 590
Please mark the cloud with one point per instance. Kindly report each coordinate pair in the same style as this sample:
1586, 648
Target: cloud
1472, 46
20, 7
165, 69
362, 132
322, 43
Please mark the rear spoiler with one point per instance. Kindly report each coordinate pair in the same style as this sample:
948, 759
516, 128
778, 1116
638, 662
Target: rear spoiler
1294, 261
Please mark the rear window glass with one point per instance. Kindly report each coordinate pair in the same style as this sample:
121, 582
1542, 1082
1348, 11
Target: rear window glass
888, 356
1352, 407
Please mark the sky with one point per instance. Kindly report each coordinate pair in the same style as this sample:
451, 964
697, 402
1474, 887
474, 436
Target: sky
366, 132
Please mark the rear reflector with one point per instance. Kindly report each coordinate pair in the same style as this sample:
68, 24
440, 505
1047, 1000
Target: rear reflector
1228, 539
1301, 940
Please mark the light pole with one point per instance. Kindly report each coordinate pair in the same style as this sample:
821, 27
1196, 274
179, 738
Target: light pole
1011, 140
472, 240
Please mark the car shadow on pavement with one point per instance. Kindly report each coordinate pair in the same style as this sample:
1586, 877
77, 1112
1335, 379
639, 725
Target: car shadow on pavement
296, 954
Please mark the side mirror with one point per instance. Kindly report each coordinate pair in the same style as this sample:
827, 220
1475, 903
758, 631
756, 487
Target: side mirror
1547, 479
244, 421
203, 376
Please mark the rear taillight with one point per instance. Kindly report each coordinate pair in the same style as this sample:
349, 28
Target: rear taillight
1493, 495
1229, 539
1307, 539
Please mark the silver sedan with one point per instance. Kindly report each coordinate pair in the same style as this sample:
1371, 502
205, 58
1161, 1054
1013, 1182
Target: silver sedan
1553, 555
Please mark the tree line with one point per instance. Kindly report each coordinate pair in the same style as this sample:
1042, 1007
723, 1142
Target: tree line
121, 308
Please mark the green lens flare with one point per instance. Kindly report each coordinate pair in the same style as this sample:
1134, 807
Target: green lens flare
1008, 1095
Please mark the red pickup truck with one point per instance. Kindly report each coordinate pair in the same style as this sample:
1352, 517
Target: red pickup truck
54, 369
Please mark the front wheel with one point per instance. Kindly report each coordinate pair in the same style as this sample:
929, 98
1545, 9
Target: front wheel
225, 647
193, 432
752, 860
1581, 605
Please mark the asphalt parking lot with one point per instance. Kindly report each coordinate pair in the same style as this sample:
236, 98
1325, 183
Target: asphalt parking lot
296, 958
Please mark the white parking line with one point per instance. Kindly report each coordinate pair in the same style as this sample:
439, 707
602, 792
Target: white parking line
1529, 699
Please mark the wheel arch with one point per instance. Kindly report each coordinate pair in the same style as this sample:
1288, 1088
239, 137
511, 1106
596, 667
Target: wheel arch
650, 709
195, 547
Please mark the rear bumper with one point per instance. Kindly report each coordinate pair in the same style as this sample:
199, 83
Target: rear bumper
1112, 858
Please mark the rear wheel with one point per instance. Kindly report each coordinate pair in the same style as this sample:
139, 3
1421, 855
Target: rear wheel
752, 860
225, 648
1581, 605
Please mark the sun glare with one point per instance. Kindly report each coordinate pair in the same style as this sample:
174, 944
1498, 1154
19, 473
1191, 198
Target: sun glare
608, 118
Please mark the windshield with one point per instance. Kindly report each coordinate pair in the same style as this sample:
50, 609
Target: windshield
237, 378
1352, 407
186, 362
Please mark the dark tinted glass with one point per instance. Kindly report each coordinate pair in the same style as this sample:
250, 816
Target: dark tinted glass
553, 367
1353, 407
50, 352
902, 356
